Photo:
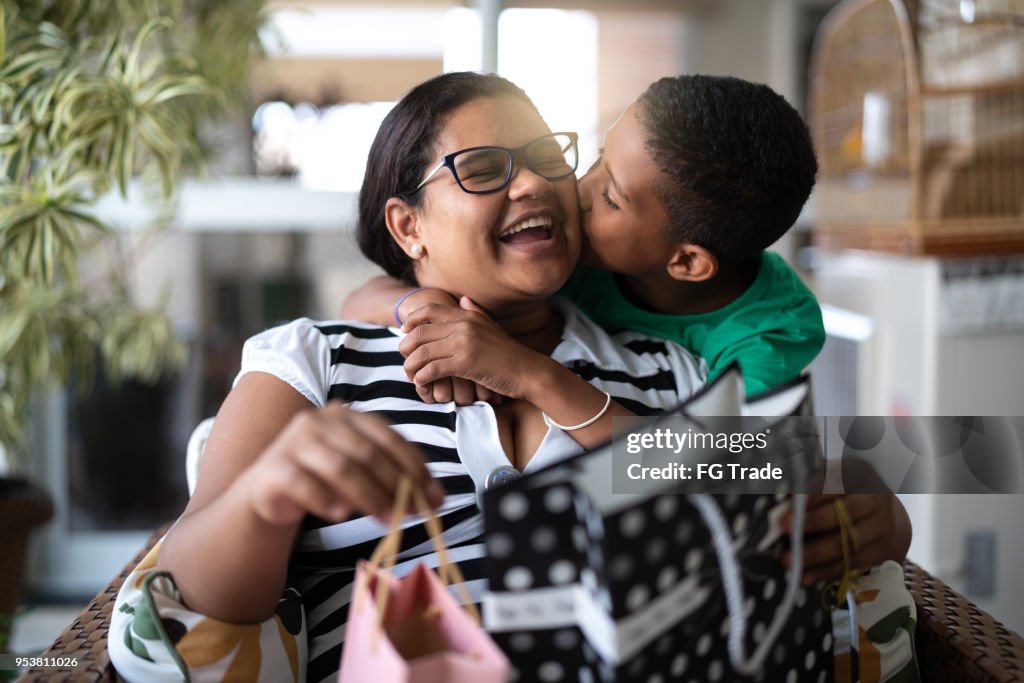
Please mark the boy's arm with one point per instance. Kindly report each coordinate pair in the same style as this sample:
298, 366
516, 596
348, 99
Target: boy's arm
374, 302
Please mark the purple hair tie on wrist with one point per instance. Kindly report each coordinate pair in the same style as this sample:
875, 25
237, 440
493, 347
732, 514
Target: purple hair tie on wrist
403, 298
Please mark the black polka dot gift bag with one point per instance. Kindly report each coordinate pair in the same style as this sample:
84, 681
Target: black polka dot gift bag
594, 586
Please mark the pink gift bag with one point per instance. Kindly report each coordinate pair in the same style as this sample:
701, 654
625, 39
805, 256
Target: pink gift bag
411, 630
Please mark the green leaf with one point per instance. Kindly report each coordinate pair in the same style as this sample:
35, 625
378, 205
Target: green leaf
131, 69
125, 147
3, 32
177, 88
12, 327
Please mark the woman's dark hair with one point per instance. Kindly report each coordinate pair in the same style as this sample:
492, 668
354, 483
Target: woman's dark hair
403, 149
739, 162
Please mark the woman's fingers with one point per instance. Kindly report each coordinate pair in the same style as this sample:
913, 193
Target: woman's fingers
290, 491
347, 454
331, 461
354, 484
353, 468
463, 391
406, 456
420, 347
435, 369
425, 392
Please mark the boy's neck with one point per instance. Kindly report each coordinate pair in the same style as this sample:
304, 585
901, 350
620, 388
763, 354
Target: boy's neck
661, 293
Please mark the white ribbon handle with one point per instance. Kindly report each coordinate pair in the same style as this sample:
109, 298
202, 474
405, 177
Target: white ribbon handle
721, 538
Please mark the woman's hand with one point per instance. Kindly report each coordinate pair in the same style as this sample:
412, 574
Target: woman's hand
445, 341
330, 462
882, 530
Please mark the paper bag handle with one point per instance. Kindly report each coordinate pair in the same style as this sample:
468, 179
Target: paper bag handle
383, 557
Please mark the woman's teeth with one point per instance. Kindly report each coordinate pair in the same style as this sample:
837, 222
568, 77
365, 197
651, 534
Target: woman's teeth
535, 222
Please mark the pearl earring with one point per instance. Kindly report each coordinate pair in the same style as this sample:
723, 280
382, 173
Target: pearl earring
416, 249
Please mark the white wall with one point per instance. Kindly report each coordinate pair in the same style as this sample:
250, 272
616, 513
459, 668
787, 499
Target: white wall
953, 516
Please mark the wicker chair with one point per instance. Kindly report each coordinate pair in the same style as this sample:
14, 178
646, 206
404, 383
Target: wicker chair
956, 641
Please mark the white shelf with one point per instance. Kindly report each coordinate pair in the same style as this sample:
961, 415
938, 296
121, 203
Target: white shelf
238, 204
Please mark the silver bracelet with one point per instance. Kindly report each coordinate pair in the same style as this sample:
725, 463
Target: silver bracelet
571, 428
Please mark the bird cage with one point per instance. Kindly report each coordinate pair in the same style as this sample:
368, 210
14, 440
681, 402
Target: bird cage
918, 121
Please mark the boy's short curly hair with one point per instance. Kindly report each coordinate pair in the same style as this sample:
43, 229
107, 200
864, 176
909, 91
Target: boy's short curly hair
738, 157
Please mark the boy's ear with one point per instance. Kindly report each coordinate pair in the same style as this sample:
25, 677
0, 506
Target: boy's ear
403, 225
692, 263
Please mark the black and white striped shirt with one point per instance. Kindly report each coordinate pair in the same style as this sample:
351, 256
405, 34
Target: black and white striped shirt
360, 364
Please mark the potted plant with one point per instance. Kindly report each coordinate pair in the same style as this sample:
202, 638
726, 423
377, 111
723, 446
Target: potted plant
96, 96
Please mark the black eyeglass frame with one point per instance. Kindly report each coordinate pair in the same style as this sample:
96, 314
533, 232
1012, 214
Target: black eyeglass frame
448, 161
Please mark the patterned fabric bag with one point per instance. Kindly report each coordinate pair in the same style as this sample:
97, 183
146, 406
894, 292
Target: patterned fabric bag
154, 637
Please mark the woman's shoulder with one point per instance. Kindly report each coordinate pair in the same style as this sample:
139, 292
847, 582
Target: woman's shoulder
307, 331
314, 355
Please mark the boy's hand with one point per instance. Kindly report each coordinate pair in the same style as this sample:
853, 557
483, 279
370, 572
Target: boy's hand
421, 298
447, 342
878, 520
463, 391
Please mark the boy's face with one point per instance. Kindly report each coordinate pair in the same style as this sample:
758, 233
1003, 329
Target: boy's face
624, 219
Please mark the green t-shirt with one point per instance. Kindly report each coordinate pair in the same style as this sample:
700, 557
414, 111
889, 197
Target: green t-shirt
774, 329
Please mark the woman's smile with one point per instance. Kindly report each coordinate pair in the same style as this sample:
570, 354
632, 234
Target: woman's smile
532, 232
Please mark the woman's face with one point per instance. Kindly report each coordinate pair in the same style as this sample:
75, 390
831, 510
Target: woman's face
624, 220
473, 243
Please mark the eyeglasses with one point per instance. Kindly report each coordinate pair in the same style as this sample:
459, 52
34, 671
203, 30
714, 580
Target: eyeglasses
479, 170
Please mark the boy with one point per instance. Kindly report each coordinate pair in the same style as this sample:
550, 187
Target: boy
696, 179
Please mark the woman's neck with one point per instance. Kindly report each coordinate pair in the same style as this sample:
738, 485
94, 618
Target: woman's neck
538, 327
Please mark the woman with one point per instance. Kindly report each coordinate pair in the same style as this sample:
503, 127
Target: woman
466, 189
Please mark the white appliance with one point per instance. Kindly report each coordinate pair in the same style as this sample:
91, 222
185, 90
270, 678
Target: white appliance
930, 336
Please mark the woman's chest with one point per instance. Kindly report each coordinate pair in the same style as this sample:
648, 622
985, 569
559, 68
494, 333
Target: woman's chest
521, 430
